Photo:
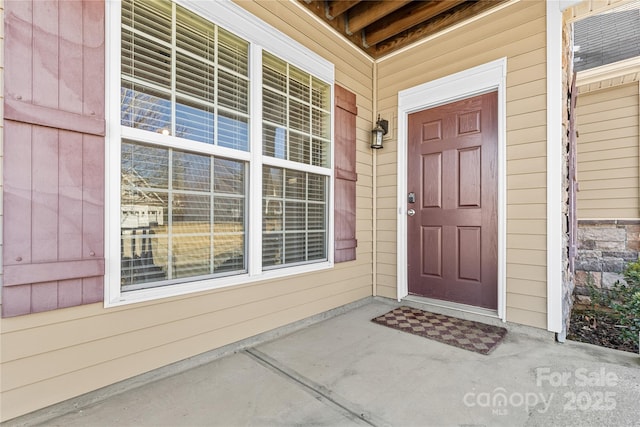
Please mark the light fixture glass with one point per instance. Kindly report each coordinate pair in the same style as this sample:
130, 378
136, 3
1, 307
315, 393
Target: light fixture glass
381, 129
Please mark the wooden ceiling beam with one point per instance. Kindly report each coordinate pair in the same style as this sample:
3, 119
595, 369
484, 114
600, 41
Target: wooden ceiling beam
434, 26
404, 19
338, 23
338, 7
369, 12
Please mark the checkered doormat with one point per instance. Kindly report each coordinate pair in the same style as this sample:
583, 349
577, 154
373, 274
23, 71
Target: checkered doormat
466, 334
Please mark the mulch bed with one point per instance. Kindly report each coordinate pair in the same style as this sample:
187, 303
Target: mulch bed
599, 328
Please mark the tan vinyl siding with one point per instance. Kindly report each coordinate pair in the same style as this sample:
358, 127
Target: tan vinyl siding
607, 122
52, 356
518, 33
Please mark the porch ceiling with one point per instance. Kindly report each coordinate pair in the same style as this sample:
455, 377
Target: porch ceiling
381, 27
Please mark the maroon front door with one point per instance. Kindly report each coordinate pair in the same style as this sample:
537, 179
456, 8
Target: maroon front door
453, 184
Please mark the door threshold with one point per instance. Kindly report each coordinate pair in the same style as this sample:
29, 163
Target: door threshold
454, 309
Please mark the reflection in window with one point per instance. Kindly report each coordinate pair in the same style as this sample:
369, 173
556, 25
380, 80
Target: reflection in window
182, 215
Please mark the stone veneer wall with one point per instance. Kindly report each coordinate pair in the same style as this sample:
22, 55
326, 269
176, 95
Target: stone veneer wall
604, 248
568, 279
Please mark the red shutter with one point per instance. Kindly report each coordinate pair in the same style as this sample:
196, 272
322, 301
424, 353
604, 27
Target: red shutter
345, 175
53, 155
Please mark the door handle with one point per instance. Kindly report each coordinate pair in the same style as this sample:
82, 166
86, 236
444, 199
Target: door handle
411, 212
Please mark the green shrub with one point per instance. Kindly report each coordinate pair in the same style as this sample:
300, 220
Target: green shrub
623, 299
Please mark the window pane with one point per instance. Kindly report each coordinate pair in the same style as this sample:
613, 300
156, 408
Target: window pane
191, 213
195, 121
191, 256
229, 177
144, 108
274, 73
299, 147
296, 187
294, 217
145, 60
233, 130
321, 123
294, 248
143, 256
299, 118
233, 92
233, 52
316, 217
144, 167
182, 227
191, 171
299, 84
320, 152
274, 141
320, 95
275, 107
317, 249
150, 17
317, 187
195, 34
194, 77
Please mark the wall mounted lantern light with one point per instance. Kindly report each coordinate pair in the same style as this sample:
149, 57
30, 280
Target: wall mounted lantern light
381, 129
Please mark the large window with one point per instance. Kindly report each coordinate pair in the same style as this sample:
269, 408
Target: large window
224, 151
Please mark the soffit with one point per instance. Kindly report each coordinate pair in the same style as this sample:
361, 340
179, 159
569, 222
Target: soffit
379, 28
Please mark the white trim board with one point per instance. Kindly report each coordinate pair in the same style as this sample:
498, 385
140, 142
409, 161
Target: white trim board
554, 166
474, 81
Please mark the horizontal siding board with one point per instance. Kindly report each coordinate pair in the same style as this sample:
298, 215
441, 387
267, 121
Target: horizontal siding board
527, 256
589, 146
528, 287
527, 302
526, 241
526, 271
530, 211
528, 180
611, 153
526, 151
627, 183
527, 317
603, 174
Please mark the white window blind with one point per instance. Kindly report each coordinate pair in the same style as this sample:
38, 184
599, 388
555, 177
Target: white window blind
183, 75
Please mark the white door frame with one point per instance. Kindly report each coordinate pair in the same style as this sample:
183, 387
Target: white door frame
465, 84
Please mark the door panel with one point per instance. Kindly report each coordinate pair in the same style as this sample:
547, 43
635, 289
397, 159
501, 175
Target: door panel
432, 180
452, 168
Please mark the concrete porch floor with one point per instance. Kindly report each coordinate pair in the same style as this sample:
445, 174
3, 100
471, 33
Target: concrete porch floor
347, 371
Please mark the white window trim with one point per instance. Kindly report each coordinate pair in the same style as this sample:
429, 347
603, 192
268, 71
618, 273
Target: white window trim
260, 36
474, 81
